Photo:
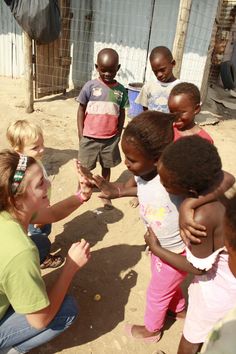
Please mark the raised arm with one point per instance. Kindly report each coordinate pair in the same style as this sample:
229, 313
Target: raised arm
65, 207
108, 189
116, 190
58, 211
190, 230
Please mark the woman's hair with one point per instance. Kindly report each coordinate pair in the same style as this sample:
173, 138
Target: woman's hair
22, 133
150, 132
230, 219
194, 162
8, 165
188, 89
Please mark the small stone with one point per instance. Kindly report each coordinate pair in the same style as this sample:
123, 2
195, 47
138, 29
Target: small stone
133, 309
97, 297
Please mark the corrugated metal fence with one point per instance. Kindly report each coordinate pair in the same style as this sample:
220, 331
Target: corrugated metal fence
132, 27
11, 44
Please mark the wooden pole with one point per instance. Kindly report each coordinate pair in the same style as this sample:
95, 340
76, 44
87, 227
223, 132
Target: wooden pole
29, 90
180, 35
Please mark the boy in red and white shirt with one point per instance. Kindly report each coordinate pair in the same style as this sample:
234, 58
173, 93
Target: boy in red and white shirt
101, 116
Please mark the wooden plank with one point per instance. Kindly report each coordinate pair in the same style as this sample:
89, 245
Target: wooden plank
29, 90
180, 36
65, 43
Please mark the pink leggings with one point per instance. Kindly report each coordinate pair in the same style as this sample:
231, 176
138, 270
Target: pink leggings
163, 293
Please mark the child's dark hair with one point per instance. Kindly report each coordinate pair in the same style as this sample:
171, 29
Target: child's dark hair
161, 50
230, 219
110, 52
150, 132
194, 162
189, 89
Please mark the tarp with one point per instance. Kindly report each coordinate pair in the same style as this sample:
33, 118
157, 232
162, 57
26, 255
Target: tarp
40, 19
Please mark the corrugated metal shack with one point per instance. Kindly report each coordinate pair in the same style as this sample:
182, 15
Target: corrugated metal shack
132, 27
225, 38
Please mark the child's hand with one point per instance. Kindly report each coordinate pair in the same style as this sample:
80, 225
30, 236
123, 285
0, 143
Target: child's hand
78, 254
108, 190
190, 231
150, 238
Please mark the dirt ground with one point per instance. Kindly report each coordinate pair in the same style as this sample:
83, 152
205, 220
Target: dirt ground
118, 269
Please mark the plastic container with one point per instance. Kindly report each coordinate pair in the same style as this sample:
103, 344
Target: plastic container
133, 91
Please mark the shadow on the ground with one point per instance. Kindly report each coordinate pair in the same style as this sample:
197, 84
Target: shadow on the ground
124, 177
55, 158
73, 93
82, 226
108, 274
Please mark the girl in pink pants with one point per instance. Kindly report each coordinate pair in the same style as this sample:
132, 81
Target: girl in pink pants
142, 143
163, 293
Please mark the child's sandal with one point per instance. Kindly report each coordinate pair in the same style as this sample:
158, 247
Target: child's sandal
52, 261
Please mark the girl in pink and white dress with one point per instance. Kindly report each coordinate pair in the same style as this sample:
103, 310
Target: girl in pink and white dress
191, 166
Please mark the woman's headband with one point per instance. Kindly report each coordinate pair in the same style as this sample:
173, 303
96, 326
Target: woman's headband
19, 173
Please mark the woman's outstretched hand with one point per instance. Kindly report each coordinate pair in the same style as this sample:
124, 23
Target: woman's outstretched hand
88, 180
84, 172
85, 180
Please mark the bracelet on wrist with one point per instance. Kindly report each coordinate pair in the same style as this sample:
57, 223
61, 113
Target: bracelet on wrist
80, 196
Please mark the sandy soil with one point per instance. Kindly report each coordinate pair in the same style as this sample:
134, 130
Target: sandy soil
119, 268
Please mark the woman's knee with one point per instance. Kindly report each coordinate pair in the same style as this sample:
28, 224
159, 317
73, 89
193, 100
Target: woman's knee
70, 305
66, 315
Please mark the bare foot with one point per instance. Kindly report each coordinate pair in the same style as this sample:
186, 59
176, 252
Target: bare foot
134, 202
138, 331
